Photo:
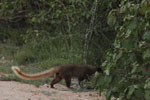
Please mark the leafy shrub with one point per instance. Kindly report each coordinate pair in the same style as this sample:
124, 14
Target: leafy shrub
127, 64
24, 56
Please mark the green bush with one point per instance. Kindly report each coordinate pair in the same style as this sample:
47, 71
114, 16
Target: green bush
25, 56
127, 64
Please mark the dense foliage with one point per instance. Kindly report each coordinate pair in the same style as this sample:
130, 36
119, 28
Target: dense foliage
114, 33
128, 63
68, 30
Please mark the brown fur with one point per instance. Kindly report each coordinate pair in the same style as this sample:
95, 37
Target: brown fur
65, 72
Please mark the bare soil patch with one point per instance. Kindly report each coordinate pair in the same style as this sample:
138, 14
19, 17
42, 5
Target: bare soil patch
11, 90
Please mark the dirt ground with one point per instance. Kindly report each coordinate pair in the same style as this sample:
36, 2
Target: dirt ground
11, 90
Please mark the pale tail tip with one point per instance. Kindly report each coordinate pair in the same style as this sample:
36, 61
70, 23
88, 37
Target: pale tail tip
15, 67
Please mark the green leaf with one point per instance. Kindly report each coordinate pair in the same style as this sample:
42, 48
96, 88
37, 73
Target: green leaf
107, 79
108, 95
104, 63
147, 94
132, 25
123, 9
33, 19
135, 33
119, 55
128, 33
134, 69
147, 84
144, 6
146, 36
138, 93
130, 92
128, 44
111, 20
146, 54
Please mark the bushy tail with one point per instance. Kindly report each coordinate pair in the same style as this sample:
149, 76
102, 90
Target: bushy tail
36, 76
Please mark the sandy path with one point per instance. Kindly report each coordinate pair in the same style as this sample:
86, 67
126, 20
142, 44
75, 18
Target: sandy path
10, 90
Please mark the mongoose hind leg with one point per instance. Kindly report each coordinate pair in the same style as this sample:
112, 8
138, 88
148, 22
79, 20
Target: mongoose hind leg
55, 80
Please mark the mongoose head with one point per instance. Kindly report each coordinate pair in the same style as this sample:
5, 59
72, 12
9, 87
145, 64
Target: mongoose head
99, 70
